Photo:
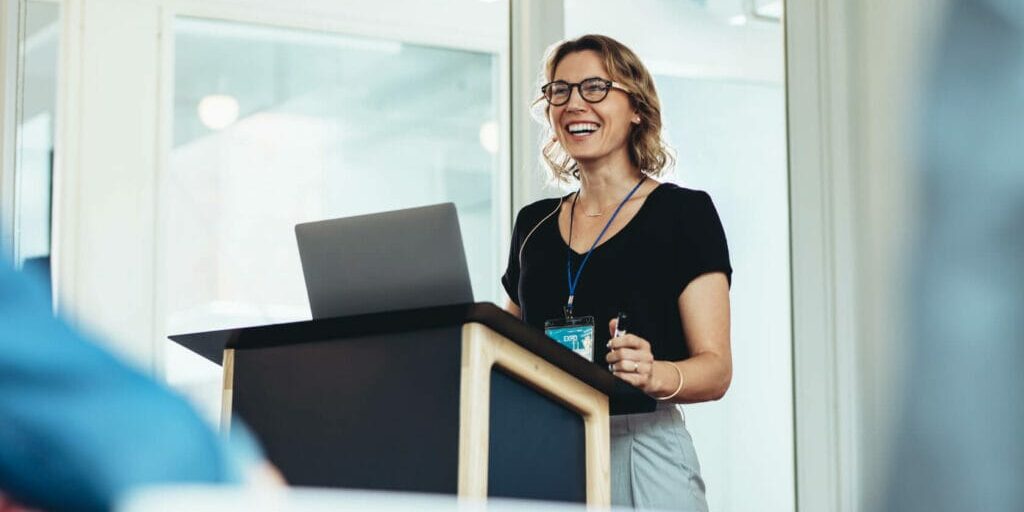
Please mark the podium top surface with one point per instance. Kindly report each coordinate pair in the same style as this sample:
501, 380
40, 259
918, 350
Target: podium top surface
623, 398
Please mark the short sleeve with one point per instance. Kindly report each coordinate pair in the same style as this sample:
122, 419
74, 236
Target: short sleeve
704, 246
510, 279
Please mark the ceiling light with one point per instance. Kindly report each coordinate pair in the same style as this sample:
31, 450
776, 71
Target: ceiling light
489, 137
218, 111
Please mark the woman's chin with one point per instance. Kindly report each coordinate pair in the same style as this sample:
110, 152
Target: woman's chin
585, 157
590, 161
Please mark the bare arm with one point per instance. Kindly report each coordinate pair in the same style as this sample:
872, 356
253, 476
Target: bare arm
707, 373
704, 309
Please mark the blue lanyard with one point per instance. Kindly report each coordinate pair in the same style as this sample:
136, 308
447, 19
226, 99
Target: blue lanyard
573, 281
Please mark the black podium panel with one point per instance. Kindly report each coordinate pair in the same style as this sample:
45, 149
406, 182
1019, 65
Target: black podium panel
344, 413
536, 448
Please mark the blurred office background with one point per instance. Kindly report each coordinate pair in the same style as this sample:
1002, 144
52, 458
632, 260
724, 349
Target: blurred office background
164, 149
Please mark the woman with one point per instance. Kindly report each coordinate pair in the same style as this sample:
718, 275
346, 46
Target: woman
625, 243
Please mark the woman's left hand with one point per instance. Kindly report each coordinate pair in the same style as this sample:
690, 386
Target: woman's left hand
630, 359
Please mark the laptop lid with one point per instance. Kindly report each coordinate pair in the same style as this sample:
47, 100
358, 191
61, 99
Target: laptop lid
401, 259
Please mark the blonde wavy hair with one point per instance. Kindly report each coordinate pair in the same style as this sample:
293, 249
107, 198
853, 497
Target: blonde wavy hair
647, 150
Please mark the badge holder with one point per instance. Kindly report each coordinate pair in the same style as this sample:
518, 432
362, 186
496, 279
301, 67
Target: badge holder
573, 333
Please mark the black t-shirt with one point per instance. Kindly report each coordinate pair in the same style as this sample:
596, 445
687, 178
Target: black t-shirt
641, 270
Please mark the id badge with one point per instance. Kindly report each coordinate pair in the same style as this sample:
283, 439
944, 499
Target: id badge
575, 333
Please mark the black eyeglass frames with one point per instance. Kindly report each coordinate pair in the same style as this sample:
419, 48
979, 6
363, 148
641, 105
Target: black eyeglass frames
592, 90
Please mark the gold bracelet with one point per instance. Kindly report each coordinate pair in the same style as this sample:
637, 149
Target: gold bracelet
678, 388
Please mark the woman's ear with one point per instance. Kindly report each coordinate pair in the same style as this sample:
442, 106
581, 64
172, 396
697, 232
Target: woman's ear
636, 118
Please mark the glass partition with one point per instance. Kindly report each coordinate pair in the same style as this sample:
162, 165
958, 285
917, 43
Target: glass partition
273, 127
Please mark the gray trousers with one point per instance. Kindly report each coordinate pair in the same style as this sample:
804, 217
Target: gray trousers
654, 465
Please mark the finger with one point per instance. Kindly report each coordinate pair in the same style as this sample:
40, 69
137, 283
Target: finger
628, 341
621, 366
612, 325
643, 370
631, 378
619, 354
630, 366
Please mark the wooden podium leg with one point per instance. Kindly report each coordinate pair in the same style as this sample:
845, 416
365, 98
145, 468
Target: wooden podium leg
598, 448
227, 390
474, 414
483, 348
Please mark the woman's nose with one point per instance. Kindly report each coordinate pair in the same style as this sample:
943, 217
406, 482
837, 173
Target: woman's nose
574, 108
576, 102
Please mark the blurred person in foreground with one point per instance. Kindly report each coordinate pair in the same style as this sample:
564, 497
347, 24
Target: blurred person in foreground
79, 428
960, 445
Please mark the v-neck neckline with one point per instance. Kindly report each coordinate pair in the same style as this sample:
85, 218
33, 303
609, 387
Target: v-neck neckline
558, 227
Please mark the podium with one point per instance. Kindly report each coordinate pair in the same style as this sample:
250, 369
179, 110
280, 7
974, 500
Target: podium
462, 399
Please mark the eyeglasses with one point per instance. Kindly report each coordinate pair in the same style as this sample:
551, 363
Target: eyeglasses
592, 90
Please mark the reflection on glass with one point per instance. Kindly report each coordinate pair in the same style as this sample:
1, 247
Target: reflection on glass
273, 127
34, 162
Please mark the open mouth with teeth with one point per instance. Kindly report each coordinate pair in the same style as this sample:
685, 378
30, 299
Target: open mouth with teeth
582, 129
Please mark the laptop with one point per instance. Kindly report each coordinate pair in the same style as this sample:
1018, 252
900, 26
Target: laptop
402, 259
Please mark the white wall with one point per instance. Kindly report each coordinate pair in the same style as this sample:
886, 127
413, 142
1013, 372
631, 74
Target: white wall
105, 170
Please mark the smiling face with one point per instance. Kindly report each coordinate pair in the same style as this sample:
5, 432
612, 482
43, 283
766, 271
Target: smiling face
591, 132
